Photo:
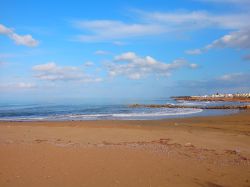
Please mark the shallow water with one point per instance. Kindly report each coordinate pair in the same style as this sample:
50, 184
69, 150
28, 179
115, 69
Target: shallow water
108, 110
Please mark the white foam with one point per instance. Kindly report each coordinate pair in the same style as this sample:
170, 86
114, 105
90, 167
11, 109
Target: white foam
151, 114
155, 114
190, 103
161, 113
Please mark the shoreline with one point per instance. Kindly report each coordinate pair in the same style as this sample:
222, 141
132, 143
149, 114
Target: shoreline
222, 107
215, 150
169, 117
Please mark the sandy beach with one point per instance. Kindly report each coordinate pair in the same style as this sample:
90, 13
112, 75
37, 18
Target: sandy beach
198, 151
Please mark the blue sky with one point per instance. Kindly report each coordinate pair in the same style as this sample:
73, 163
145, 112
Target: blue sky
123, 49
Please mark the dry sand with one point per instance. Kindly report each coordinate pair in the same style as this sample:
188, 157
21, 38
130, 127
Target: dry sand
199, 151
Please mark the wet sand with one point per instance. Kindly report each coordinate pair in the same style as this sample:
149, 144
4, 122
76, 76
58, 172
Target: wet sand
197, 151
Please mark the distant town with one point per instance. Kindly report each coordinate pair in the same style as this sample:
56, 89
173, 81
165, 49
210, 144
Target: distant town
240, 97
219, 95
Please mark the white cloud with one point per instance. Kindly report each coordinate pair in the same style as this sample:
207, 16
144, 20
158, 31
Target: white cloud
52, 72
4, 30
238, 23
167, 23
193, 66
88, 64
26, 40
129, 56
158, 23
237, 39
18, 85
51, 66
237, 2
232, 77
191, 20
133, 66
101, 52
231, 81
90, 79
119, 43
194, 52
25, 85
239, 79
105, 30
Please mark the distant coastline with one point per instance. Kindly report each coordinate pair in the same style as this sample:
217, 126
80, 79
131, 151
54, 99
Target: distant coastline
216, 97
228, 107
243, 98
197, 98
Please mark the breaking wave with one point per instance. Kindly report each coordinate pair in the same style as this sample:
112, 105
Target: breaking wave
141, 114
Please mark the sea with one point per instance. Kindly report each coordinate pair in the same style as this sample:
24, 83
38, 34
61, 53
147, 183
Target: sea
101, 109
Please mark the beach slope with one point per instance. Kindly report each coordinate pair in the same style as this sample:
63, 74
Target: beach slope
198, 151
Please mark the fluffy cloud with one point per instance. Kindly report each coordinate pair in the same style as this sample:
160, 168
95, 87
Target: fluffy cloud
26, 40
133, 66
52, 72
237, 39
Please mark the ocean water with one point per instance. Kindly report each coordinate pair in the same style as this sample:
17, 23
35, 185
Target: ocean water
101, 110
